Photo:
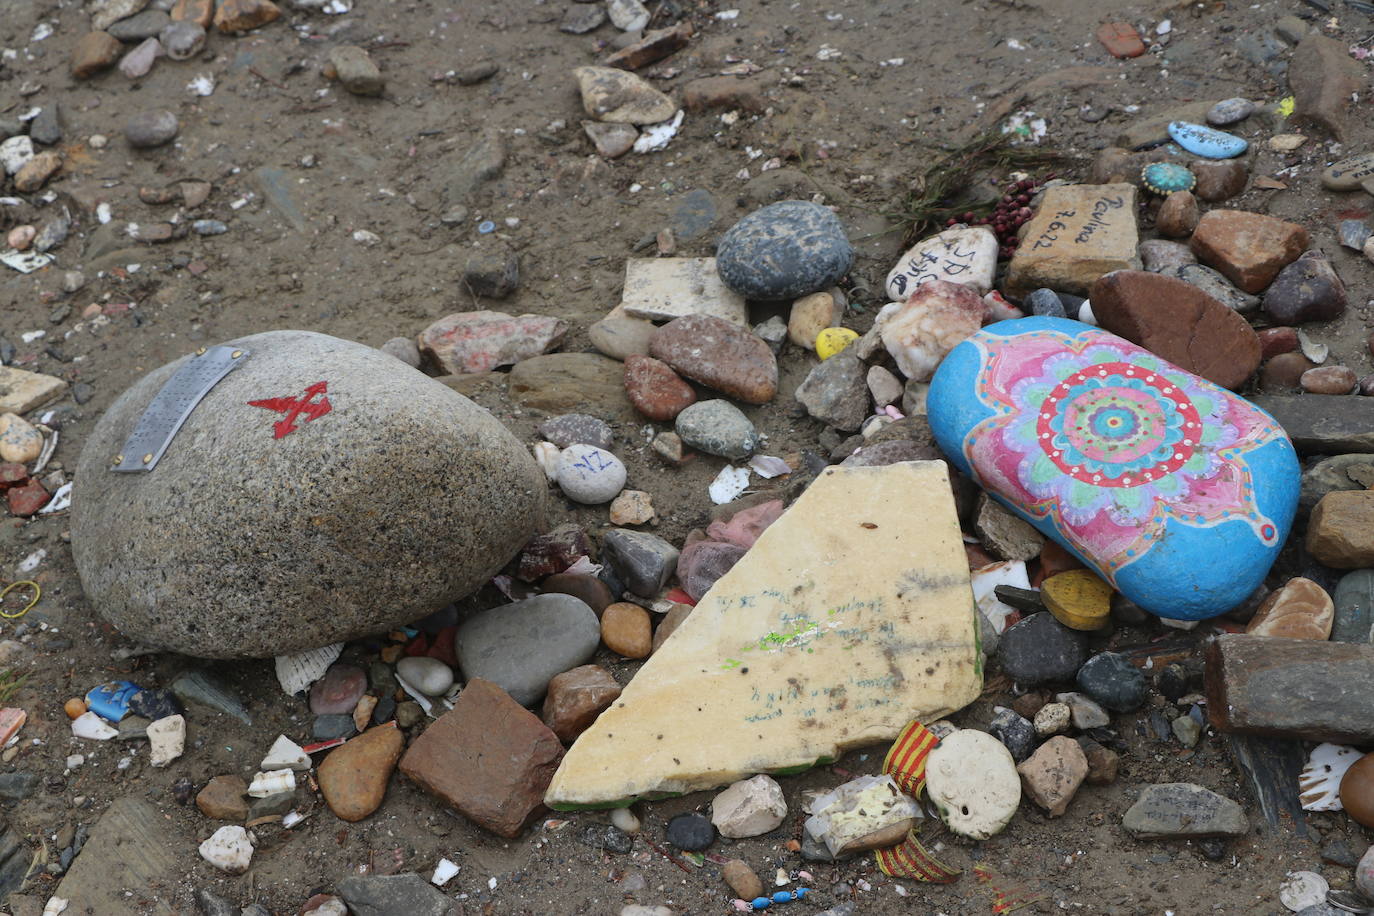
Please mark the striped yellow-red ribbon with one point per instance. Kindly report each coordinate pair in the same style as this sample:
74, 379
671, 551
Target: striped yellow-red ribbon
906, 764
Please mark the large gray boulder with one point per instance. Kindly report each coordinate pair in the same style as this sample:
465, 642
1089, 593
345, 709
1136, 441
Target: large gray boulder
239, 544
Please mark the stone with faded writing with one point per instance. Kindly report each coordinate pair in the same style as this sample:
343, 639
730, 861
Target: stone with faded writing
1181, 809
1208, 142
964, 254
759, 679
1349, 173
266, 505
1175, 491
661, 289
1079, 233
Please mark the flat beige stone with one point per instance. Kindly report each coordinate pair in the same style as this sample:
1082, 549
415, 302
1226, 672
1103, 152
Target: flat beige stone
1079, 233
661, 289
22, 391
850, 616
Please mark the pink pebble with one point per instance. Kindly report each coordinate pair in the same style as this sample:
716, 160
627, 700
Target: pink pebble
745, 526
21, 237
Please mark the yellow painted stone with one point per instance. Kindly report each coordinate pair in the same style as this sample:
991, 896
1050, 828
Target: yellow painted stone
832, 340
850, 616
1078, 599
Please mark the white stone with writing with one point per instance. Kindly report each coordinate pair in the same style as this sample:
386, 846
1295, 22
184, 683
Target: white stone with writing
1079, 233
964, 254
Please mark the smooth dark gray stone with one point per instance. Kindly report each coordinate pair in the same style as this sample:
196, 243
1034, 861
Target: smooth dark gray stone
519, 647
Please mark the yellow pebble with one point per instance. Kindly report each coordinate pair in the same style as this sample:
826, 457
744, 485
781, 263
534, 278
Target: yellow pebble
832, 340
1078, 599
74, 707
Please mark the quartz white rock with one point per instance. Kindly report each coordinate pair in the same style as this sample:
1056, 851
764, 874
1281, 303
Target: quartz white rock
15, 153
627, 15
963, 254
168, 739
427, 675
748, 808
933, 320
228, 849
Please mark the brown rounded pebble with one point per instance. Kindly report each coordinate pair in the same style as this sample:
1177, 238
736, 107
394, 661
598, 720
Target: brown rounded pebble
1178, 215
74, 707
1357, 790
742, 879
1274, 341
591, 590
353, 777
1284, 371
1301, 609
655, 389
1328, 380
626, 630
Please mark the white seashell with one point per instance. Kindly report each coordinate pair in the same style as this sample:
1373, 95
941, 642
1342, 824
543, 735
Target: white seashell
1319, 783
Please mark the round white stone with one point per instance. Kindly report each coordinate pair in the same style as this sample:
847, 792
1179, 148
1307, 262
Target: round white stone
973, 781
590, 475
427, 675
1302, 889
228, 849
624, 820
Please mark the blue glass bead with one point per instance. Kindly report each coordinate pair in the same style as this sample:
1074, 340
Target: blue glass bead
761, 903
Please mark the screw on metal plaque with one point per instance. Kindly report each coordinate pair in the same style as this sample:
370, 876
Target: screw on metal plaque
173, 405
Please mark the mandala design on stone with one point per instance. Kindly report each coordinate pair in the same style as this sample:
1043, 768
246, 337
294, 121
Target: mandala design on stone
1110, 442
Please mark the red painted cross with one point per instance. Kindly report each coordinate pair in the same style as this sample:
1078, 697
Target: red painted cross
295, 407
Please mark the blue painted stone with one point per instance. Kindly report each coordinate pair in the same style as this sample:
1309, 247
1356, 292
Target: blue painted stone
1164, 178
1207, 142
1176, 491
784, 251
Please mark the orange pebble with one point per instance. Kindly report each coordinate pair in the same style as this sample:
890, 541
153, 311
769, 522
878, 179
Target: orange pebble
74, 707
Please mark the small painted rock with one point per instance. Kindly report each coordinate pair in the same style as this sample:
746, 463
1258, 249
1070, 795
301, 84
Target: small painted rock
1349, 173
973, 782
966, 254
1164, 178
1230, 111
1078, 599
1207, 142
590, 475
1178, 493
832, 340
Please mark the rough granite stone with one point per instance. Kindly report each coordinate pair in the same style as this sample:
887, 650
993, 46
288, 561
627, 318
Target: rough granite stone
235, 523
784, 251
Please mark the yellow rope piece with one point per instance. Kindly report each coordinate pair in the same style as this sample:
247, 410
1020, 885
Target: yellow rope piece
37, 593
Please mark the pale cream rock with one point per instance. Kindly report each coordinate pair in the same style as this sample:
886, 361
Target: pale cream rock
973, 781
864, 813
619, 97
1053, 719
934, 319
810, 315
840, 625
661, 289
1079, 233
963, 254
885, 387
632, 507
285, 754
750, 807
228, 849
22, 391
19, 440
168, 739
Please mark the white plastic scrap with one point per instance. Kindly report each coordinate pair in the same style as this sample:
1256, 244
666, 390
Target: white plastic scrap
443, 873
1319, 783
655, 137
728, 485
202, 85
54, 906
26, 262
297, 672
62, 499
91, 726
767, 466
273, 782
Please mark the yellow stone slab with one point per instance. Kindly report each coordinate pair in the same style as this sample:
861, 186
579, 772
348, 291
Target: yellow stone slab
852, 615
22, 391
1079, 233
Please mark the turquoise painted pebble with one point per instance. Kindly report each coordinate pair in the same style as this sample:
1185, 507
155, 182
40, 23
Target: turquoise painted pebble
1177, 492
1207, 142
1230, 111
1164, 178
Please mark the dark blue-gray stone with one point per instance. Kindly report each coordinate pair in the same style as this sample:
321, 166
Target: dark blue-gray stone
1230, 111
645, 562
393, 895
694, 216
519, 647
17, 786
691, 832
783, 251
153, 703
1015, 731
1113, 681
1045, 302
1039, 650
333, 725
1354, 600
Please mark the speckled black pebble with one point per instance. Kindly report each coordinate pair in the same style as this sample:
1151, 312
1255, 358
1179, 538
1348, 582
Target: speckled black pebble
334, 725
607, 837
1015, 731
1113, 681
691, 832
1173, 682
1040, 649
154, 703
783, 251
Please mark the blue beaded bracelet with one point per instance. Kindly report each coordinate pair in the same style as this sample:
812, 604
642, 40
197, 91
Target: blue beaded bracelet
763, 903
